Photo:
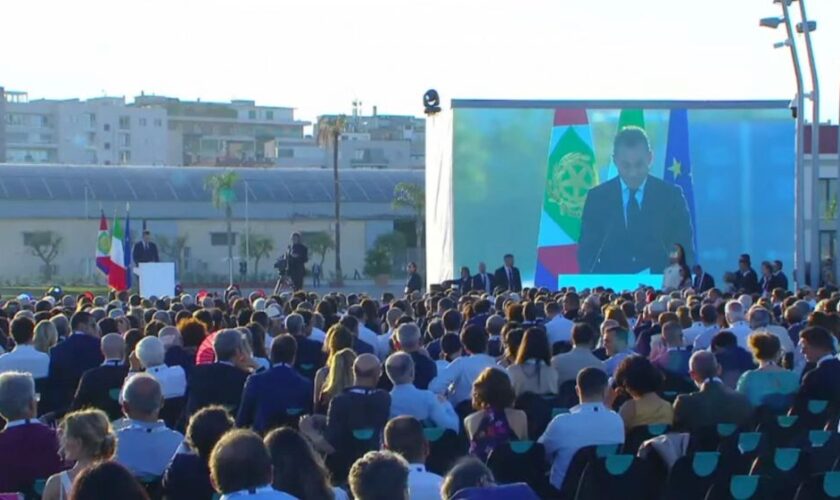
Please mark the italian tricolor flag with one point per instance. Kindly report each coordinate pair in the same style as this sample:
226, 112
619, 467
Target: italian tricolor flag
117, 272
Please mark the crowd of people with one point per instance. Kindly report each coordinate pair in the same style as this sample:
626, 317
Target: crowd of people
465, 391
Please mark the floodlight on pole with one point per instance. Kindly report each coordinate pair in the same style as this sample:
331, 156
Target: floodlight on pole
770, 22
796, 108
806, 27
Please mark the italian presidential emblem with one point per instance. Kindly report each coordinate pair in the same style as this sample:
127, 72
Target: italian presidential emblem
104, 243
570, 178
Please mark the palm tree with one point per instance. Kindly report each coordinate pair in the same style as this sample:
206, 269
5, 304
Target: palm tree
329, 135
413, 196
260, 246
221, 187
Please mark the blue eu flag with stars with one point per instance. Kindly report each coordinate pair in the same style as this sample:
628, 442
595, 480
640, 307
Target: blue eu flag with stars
678, 163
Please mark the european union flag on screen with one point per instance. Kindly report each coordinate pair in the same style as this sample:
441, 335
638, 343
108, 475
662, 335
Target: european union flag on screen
678, 164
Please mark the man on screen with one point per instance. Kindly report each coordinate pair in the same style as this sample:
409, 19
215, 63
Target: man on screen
631, 222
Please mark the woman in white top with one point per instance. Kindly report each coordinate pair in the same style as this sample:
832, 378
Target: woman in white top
86, 438
677, 275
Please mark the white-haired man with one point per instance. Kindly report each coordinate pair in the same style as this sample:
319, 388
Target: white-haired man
151, 353
737, 322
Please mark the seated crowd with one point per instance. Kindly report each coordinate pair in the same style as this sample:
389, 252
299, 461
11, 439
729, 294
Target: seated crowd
527, 394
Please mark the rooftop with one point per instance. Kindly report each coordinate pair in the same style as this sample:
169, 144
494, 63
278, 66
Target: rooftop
20, 182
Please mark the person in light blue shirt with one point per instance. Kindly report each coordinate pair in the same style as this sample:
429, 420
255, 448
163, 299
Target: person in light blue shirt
769, 385
616, 344
457, 378
145, 445
240, 467
406, 399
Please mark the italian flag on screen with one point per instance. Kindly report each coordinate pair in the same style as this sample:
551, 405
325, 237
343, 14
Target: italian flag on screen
117, 272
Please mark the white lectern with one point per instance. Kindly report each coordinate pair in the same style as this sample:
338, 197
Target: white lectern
156, 278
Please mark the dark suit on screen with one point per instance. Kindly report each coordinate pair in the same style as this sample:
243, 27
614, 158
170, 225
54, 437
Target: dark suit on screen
501, 279
144, 252
608, 246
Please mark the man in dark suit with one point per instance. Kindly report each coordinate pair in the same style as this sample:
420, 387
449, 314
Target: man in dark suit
296, 257
145, 250
745, 278
483, 281
361, 406
702, 281
714, 403
309, 356
823, 380
414, 283
100, 387
219, 383
779, 275
631, 223
273, 397
508, 276
71, 358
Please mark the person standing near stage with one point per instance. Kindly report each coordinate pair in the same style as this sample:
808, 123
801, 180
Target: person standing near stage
296, 257
508, 276
414, 283
145, 250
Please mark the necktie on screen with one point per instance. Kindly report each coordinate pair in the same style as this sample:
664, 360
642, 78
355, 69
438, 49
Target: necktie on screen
634, 211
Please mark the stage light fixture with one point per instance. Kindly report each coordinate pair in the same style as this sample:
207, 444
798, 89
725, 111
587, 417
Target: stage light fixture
431, 102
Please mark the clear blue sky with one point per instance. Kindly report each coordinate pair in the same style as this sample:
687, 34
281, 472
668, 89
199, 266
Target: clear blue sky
319, 55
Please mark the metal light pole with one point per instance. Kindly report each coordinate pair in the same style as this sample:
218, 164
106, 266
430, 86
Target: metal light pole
806, 27
798, 103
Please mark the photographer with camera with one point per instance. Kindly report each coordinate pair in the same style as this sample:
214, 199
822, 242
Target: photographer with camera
296, 257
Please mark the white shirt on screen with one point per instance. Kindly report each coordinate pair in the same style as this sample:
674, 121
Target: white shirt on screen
625, 195
671, 279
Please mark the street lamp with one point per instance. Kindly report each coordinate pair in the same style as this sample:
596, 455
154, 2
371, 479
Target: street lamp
798, 104
805, 28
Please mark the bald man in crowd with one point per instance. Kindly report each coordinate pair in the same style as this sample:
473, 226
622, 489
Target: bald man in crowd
98, 385
361, 406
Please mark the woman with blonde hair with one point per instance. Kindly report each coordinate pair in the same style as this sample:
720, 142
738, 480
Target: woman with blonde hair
339, 378
86, 438
46, 336
338, 338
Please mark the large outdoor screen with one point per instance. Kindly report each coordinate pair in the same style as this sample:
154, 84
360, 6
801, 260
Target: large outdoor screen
586, 193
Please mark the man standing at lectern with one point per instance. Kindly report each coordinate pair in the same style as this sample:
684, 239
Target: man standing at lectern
145, 250
631, 222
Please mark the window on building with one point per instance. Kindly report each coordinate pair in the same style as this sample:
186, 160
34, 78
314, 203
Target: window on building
91, 138
252, 115
107, 145
36, 237
91, 119
142, 122
827, 245
269, 115
125, 157
125, 123
220, 239
106, 127
125, 140
158, 122
285, 153
408, 228
827, 192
